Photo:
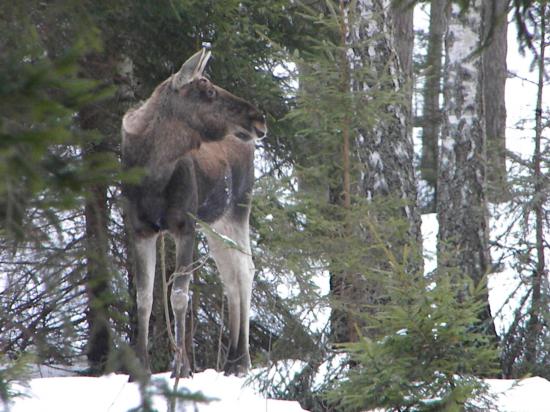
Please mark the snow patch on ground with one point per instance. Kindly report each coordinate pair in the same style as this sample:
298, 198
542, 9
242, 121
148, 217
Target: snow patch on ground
527, 395
113, 393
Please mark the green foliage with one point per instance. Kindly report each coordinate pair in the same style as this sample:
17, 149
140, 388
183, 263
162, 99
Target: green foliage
40, 166
301, 232
46, 175
12, 371
308, 235
426, 351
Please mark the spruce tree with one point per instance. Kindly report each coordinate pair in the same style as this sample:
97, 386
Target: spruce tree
525, 340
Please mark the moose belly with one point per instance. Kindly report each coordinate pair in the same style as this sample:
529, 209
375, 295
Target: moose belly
217, 200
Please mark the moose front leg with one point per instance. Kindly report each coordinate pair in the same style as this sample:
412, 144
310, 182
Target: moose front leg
179, 298
145, 253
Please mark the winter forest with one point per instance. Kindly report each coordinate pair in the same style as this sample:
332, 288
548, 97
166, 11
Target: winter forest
400, 222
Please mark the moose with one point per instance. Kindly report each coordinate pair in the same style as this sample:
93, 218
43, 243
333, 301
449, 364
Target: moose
194, 143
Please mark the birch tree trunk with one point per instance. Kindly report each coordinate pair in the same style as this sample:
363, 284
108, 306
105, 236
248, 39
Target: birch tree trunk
461, 201
383, 146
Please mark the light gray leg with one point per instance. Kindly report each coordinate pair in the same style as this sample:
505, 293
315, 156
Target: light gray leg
179, 298
146, 257
236, 271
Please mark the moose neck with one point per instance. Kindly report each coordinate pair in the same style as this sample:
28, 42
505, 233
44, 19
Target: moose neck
171, 139
158, 148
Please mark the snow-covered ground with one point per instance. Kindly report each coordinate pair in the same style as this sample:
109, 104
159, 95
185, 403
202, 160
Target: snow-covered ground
527, 395
113, 393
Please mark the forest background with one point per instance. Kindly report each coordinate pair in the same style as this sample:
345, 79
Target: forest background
349, 89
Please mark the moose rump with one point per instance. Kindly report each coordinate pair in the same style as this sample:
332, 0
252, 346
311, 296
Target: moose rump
194, 142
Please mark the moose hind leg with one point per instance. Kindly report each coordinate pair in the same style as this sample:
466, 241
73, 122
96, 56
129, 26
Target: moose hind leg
179, 299
145, 252
236, 271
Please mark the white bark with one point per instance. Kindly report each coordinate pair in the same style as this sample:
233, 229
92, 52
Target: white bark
461, 204
384, 145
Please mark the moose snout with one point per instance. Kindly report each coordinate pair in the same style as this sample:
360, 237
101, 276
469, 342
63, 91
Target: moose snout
259, 123
260, 128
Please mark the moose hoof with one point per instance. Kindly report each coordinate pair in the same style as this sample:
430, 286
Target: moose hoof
182, 374
140, 376
235, 368
184, 371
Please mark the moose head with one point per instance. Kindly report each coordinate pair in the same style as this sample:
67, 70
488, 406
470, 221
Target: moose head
190, 102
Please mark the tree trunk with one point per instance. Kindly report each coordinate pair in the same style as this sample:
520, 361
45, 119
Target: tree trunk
104, 119
98, 277
495, 30
341, 282
384, 148
463, 241
431, 117
403, 31
535, 322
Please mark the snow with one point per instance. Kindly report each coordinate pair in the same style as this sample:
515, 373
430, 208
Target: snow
505, 287
113, 393
429, 239
527, 395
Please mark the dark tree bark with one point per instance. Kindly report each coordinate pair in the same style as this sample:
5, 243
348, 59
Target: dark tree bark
403, 31
495, 30
342, 283
159, 341
97, 281
98, 277
103, 120
431, 117
463, 240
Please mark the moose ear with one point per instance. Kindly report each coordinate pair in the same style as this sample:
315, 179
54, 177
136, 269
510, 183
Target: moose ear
205, 56
192, 68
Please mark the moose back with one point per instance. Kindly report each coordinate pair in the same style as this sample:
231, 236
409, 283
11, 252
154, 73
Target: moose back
194, 143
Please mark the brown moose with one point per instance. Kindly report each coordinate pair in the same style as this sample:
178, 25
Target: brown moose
194, 142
